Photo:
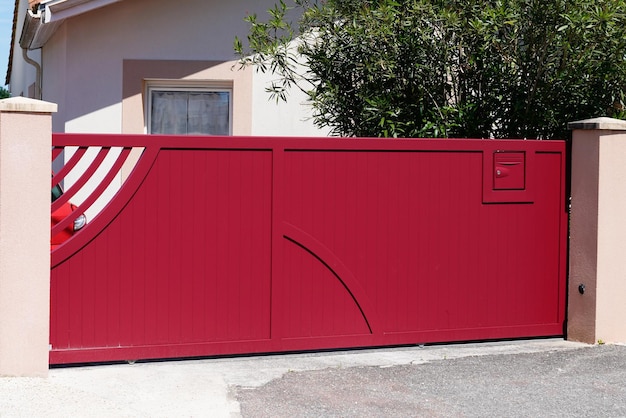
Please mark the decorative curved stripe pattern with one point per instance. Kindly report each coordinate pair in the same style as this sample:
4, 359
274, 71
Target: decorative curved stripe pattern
71, 191
106, 181
69, 165
109, 213
338, 269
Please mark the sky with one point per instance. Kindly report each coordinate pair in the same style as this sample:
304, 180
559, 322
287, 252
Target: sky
6, 24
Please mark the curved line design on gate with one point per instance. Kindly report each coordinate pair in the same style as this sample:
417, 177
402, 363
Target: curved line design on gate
113, 208
325, 256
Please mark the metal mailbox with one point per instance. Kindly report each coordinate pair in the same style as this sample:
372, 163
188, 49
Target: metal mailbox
509, 171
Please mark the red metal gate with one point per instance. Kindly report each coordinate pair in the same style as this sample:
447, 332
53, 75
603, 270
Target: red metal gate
242, 245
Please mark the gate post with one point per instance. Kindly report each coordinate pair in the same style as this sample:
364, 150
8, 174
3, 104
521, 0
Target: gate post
25, 144
597, 275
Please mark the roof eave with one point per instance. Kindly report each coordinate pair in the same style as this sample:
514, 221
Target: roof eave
59, 10
40, 26
35, 34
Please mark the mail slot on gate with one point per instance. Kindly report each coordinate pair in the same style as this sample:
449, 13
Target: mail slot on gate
509, 170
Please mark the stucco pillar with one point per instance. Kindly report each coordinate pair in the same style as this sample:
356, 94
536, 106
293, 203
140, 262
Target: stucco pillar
25, 143
597, 276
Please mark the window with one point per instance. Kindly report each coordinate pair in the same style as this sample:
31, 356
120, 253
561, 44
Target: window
189, 109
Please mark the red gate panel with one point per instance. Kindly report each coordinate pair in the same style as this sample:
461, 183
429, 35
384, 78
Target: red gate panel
241, 245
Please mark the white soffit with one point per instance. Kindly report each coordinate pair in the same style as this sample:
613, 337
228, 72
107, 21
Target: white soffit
56, 10
39, 27
34, 33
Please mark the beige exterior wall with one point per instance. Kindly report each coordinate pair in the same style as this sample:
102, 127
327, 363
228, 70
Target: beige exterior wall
25, 141
598, 232
291, 118
96, 64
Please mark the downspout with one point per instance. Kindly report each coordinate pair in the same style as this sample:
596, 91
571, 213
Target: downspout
38, 73
31, 31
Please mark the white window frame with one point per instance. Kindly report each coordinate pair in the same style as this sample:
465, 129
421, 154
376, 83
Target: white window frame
217, 86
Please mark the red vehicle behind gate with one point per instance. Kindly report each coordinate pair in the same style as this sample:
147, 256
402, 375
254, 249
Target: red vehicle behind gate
60, 214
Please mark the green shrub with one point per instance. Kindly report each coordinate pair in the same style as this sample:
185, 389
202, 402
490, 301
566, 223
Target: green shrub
449, 68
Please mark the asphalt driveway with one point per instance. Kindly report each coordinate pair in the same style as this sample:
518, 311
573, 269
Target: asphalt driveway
587, 382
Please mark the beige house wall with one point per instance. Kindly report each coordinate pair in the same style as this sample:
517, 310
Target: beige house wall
96, 64
597, 280
25, 141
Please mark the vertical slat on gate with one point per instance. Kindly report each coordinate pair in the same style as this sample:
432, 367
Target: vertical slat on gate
153, 313
199, 185
60, 311
172, 286
471, 309
132, 281
86, 301
220, 304
278, 321
109, 314
257, 269
214, 251
234, 213
454, 214
189, 192
157, 314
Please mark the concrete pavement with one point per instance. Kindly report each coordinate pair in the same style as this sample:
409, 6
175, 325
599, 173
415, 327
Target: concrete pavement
517, 378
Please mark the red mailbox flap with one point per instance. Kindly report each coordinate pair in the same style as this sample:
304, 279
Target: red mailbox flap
509, 170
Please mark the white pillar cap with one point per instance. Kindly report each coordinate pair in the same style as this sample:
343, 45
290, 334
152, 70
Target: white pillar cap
24, 104
608, 124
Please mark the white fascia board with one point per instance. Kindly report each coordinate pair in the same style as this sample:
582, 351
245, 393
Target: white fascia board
34, 33
56, 10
